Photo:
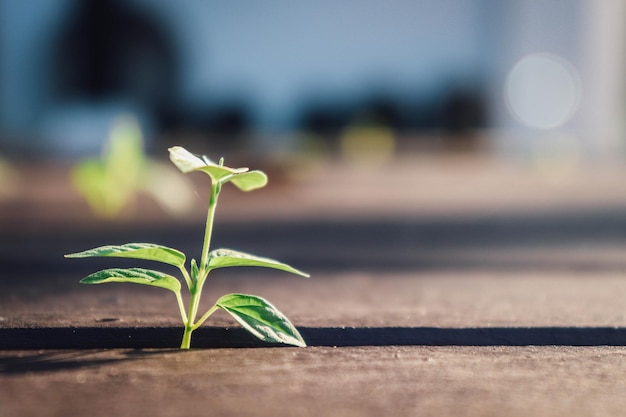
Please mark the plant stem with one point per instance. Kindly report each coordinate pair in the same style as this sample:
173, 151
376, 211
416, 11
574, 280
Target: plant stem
194, 301
195, 289
215, 192
206, 316
186, 343
186, 276
181, 306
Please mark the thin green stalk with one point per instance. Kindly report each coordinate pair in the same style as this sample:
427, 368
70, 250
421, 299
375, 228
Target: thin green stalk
196, 284
215, 192
205, 317
186, 343
194, 301
186, 276
181, 307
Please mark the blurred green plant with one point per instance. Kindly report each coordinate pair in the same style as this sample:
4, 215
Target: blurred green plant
8, 178
112, 183
254, 313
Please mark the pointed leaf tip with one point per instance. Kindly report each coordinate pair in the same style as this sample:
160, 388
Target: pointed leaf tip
261, 319
224, 258
146, 251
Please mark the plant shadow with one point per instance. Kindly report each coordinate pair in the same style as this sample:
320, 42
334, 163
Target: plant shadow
50, 361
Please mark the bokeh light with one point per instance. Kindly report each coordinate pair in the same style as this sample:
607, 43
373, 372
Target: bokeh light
543, 91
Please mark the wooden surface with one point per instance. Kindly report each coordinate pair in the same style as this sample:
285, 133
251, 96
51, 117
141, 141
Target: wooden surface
440, 286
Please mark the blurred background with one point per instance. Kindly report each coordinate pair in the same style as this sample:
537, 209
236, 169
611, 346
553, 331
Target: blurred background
513, 77
358, 83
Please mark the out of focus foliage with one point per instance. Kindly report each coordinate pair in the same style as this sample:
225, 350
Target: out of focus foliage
112, 182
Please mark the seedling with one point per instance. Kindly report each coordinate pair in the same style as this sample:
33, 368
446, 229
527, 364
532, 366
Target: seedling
254, 313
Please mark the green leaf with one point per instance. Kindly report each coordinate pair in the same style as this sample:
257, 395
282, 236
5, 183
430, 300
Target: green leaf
147, 251
187, 162
223, 258
244, 179
250, 180
261, 319
135, 276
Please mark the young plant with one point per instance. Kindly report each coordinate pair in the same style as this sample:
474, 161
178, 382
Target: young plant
254, 313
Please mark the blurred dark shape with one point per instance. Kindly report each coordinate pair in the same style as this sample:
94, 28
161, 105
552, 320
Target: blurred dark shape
456, 111
325, 118
462, 110
110, 51
381, 110
230, 120
227, 123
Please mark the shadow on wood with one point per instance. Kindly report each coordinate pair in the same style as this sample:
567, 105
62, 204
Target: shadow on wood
214, 337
